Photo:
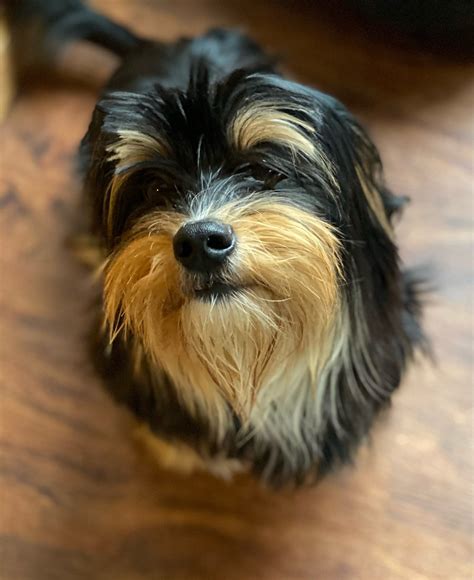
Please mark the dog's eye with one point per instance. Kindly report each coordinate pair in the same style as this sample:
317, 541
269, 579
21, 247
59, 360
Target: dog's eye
157, 193
273, 178
154, 190
269, 177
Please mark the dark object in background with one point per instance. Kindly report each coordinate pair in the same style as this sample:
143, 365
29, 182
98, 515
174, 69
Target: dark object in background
271, 332
439, 23
57, 23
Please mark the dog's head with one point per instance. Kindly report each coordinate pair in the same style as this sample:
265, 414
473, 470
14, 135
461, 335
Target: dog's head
246, 225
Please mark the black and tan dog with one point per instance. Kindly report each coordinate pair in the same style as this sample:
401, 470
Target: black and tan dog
254, 312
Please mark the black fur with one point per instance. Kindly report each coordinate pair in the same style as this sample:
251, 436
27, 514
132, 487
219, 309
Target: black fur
190, 89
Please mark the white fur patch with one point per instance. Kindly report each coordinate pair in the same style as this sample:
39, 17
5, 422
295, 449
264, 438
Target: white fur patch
182, 458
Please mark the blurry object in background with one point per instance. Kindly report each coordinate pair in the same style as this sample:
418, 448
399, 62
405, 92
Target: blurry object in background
74, 32
6, 92
439, 23
64, 21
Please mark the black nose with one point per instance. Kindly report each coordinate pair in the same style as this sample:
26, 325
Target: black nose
203, 246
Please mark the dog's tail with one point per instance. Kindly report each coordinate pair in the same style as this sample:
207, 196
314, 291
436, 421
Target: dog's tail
40, 29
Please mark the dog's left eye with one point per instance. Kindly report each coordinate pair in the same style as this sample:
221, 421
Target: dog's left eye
153, 189
273, 178
269, 177
156, 192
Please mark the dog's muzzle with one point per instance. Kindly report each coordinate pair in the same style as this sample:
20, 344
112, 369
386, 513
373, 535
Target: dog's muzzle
204, 246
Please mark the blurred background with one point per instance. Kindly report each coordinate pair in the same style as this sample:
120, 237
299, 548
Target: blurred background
77, 498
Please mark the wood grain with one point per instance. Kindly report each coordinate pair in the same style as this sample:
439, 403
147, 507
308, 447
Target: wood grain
79, 501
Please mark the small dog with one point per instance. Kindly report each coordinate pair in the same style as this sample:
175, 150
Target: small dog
254, 312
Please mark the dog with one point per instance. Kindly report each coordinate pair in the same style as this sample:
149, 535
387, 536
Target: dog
254, 313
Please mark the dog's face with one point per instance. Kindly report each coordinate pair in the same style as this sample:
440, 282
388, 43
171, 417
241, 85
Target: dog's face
236, 216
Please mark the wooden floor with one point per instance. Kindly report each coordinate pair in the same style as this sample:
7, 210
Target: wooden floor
78, 500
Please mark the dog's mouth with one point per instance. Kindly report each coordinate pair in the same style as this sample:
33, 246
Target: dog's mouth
215, 291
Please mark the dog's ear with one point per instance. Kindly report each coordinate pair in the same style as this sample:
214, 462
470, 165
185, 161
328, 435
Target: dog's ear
380, 318
123, 138
358, 165
97, 169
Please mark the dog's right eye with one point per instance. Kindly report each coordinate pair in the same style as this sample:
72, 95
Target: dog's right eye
269, 177
273, 178
154, 190
157, 193
266, 175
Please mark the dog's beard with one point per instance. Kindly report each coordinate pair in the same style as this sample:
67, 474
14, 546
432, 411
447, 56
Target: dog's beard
282, 307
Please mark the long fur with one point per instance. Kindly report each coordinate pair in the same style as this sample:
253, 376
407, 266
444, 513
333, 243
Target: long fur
224, 352
285, 373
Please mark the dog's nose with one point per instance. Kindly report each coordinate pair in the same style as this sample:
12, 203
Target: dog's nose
203, 246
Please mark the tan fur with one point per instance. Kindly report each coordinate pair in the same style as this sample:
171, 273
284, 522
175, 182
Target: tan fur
176, 456
110, 197
131, 147
286, 260
375, 203
142, 275
134, 147
182, 458
262, 122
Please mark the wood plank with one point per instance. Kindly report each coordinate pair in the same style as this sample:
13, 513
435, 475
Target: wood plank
78, 499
